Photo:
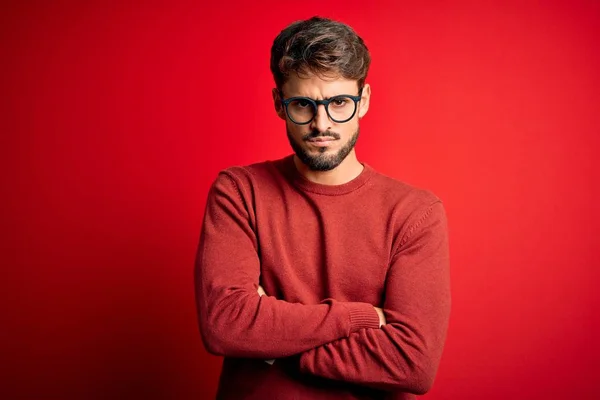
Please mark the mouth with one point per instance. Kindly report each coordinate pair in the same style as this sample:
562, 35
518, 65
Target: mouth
322, 141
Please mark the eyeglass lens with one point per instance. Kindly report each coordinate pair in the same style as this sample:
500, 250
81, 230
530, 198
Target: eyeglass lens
340, 108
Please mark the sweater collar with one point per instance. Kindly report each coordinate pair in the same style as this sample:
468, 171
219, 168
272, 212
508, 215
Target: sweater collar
301, 182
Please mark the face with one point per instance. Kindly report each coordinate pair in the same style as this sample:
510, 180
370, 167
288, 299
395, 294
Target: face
322, 144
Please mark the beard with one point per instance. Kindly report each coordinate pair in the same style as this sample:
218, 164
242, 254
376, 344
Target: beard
322, 161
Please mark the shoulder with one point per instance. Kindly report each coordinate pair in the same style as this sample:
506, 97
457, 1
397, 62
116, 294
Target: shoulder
412, 208
401, 195
248, 178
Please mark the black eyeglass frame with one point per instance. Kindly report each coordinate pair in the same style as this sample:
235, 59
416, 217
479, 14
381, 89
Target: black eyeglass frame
316, 103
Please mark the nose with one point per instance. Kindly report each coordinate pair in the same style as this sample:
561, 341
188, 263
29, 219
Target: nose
321, 122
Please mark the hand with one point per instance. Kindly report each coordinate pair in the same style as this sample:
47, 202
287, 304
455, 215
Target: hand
261, 291
382, 320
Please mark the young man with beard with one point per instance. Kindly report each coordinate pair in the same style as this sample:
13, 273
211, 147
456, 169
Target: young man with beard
316, 276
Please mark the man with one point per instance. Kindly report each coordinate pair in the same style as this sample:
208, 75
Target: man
335, 271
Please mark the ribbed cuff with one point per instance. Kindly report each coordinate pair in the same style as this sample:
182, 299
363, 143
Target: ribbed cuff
362, 315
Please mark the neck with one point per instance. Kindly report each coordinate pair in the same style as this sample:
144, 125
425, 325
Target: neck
348, 169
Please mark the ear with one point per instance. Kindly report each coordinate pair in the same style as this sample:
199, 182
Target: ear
277, 103
365, 99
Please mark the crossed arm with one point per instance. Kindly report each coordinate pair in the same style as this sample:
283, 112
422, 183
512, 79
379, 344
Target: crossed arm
261, 292
347, 341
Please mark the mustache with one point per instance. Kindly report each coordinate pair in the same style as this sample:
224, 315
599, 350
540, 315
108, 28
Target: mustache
316, 134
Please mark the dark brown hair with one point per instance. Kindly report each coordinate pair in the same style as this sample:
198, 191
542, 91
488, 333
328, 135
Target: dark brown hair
322, 47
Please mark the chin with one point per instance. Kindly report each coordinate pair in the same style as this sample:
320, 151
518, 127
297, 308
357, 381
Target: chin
321, 161
322, 158
321, 150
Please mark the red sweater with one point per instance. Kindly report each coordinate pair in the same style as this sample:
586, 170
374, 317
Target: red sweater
325, 255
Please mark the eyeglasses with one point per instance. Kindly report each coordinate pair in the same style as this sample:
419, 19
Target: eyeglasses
302, 110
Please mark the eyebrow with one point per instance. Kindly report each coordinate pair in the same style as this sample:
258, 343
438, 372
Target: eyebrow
324, 98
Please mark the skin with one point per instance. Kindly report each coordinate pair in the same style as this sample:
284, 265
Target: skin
345, 134
318, 88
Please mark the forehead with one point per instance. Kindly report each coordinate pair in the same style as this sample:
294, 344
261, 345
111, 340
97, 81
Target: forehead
318, 87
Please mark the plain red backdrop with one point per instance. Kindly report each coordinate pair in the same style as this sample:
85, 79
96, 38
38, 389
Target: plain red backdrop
116, 118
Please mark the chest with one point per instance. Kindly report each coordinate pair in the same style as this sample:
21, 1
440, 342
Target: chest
312, 250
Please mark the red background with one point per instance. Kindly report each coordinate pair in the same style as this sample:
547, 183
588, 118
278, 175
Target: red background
116, 119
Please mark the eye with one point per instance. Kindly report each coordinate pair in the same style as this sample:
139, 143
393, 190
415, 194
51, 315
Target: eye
303, 103
339, 102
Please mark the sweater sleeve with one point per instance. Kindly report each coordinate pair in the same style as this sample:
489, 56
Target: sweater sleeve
405, 353
234, 320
